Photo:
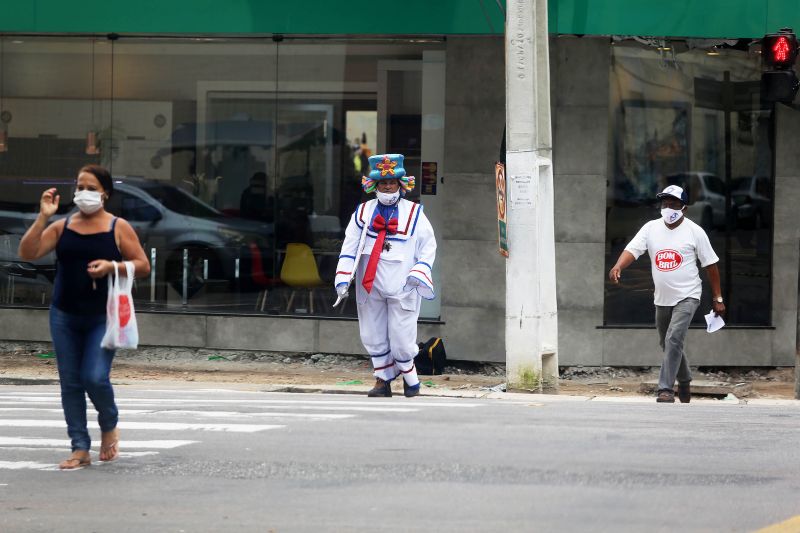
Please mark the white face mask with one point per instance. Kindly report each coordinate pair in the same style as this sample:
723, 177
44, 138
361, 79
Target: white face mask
88, 201
671, 216
388, 198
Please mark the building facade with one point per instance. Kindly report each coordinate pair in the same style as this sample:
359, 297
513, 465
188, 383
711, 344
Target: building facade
237, 138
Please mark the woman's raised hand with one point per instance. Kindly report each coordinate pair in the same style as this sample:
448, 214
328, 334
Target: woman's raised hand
49, 202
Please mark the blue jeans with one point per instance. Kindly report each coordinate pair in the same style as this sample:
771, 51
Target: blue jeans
83, 368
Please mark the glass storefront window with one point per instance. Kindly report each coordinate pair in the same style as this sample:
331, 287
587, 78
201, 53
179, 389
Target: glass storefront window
54, 100
692, 119
237, 161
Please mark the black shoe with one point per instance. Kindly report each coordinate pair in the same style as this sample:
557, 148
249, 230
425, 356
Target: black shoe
410, 392
382, 389
665, 396
684, 392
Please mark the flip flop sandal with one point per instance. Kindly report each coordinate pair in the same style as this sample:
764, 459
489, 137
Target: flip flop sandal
74, 462
110, 451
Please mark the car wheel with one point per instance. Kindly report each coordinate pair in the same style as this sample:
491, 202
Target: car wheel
195, 280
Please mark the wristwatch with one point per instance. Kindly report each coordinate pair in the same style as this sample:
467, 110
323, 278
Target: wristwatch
718, 299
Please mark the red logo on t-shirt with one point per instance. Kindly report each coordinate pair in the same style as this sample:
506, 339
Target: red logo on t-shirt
667, 260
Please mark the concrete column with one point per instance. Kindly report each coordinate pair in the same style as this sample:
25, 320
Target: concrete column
786, 242
531, 323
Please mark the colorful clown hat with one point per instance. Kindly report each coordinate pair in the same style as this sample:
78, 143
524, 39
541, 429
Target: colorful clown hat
387, 166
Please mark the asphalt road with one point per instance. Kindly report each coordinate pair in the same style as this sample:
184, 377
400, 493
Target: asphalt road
224, 460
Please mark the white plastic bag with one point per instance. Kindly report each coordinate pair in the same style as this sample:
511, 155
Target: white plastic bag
121, 329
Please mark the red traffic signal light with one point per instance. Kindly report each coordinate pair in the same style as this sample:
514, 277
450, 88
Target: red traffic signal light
778, 81
779, 50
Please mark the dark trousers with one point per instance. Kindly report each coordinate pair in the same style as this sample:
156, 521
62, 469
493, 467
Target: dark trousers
673, 323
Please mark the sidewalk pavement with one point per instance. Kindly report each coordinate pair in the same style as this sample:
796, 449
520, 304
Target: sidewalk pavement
328, 387
529, 398
34, 363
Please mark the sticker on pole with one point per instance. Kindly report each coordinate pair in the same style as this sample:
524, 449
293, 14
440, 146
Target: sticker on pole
502, 222
522, 192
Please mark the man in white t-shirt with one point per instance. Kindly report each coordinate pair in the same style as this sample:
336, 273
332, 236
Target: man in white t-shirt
675, 244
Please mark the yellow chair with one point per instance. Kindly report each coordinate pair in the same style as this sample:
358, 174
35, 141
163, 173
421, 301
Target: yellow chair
299, 271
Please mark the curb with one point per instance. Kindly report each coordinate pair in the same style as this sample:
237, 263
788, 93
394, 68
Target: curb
516, 397
28, 381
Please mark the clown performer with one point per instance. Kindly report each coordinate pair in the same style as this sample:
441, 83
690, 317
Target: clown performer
389, 249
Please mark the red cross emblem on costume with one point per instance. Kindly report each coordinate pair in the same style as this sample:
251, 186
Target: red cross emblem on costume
386, 167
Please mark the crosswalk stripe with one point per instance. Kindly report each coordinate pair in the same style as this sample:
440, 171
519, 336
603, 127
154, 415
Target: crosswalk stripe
26, 393
37, 409
235, 414
29, 465
63, 443
122, 402
159, 426
33, 465
66, 448
243, 401
201, 414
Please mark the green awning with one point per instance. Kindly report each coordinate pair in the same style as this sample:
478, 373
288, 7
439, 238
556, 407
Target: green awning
676, 18
680, 18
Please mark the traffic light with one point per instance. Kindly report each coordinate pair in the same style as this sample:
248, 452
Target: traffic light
778, 52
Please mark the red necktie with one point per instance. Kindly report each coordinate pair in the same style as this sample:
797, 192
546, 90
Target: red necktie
380, 226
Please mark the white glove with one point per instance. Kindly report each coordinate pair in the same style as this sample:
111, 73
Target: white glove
411, 284
341, 289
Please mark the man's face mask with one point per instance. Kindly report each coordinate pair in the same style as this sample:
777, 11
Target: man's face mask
671, 216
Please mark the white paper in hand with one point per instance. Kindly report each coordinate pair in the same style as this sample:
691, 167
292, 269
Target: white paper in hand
714, 322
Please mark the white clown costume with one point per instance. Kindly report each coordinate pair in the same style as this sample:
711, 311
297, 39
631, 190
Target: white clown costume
388, 306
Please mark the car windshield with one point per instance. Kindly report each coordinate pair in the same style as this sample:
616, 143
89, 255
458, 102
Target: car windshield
180, 201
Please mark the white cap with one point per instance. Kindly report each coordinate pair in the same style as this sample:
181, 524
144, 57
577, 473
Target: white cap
675, 192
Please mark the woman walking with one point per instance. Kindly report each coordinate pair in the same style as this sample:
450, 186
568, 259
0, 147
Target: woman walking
86, 243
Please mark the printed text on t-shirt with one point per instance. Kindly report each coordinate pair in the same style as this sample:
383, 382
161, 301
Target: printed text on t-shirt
667, 260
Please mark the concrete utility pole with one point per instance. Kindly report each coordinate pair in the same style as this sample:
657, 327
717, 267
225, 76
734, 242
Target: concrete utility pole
531, 314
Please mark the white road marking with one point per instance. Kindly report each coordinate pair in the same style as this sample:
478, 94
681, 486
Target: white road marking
26, 465
372, 409
62, 444
66, 448
37, 409
383, 403
200, 414
159, 426
136, 454
27, 393
47, 410
235, 414
255, 406
339, 408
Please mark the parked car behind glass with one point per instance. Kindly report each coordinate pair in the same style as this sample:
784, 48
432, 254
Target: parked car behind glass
170, 219
167, 218
752, 197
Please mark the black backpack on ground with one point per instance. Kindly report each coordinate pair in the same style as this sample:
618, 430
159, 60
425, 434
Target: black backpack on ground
431, 358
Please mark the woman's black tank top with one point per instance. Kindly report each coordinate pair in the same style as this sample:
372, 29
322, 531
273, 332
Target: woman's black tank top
73, 291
